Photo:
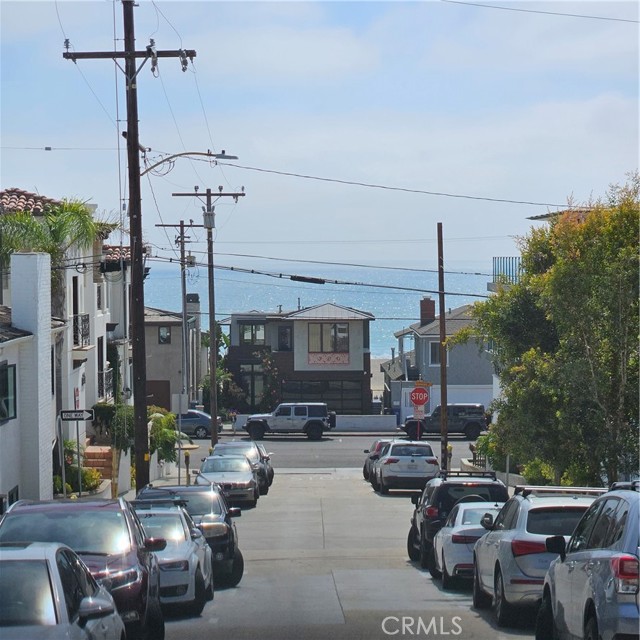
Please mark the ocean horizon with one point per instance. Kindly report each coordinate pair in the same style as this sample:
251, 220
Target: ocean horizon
391, 294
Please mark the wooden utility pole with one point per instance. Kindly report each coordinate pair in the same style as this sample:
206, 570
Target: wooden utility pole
141, 433
444, 430
209, 224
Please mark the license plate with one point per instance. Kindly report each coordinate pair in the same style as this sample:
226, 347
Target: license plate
412, 466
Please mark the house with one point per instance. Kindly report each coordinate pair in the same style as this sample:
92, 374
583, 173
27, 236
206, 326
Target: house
469, 369
318, 354
78, 318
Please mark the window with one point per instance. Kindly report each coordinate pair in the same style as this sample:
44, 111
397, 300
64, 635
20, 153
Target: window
583, 529
252, 334
7, 392
284, 339
328, 337
164, 335
300, 412
434, 354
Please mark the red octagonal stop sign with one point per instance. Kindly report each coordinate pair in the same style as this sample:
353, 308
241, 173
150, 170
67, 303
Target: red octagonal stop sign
419, 396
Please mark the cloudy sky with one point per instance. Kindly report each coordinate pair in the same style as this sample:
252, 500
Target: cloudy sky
473, 116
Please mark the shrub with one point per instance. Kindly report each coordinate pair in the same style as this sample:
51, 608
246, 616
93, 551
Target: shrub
538, 472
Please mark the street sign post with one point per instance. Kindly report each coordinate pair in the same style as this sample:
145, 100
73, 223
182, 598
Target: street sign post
419, 396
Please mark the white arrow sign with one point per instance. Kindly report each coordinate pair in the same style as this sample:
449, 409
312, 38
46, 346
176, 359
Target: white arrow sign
80, 414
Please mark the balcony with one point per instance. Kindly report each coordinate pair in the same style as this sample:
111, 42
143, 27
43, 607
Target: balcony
105, 384
506, 272
81, 332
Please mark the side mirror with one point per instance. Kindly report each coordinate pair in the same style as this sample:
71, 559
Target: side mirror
556, 544
235, 512
366, 451
196, 533
487, 521
94, 607
155, 544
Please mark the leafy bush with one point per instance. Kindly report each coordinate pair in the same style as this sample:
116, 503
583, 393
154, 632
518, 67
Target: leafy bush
538, 472
163, 436
91, 478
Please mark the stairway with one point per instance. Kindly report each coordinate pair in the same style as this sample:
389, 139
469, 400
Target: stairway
98, 457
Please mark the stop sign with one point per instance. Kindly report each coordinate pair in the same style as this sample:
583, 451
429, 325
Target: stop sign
419, 396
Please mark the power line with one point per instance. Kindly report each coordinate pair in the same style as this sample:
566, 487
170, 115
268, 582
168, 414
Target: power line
549, 13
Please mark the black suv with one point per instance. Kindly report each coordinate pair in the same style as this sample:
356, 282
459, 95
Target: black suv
436, 501
210, 512
468, 420
109, 538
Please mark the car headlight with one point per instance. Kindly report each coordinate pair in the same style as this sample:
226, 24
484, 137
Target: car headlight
120, 579
214, 529
178, 565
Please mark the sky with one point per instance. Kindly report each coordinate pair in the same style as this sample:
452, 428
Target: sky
402, 115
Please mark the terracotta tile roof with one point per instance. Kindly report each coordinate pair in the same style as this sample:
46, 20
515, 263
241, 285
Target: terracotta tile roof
113, 253
12, 200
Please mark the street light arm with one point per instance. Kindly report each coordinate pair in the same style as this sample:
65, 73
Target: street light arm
208, 154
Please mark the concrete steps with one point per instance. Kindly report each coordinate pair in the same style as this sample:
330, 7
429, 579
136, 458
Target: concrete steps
98, 457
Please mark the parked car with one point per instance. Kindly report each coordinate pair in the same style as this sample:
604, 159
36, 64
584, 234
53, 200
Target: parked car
373, 453
256, 457
453, 544
591, 590
511, 559
186, 566
404, 464
210, 512
46, 591
266, 460
310, 418
109, 538
468, 420
197, 423
234, 475
432, 508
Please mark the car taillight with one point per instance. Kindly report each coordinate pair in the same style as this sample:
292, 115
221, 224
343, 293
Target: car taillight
457, 538
525, 547
431, 512
391, 460
431, 460
625, 572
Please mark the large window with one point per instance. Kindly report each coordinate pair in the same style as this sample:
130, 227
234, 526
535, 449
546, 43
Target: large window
325, 337
7, 391
434, 354
251, 334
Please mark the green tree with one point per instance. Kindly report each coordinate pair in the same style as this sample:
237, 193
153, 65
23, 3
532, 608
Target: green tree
566, 340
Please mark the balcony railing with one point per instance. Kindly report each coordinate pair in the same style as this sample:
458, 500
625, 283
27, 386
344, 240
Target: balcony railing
81, 333
105, 384
507, 270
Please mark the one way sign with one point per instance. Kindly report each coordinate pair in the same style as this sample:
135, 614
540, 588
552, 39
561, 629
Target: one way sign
80, 414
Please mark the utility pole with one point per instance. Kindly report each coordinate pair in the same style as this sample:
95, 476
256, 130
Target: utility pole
444, 430
141, 438
209, 224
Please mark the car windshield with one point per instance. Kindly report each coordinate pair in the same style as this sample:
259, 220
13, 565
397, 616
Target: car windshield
554, 521
91, 531
473, 516
225, 465
247, 449
25, 594
449, 495
412, 450
163, 525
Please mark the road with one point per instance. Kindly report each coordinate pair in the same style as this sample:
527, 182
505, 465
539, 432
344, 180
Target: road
326, 560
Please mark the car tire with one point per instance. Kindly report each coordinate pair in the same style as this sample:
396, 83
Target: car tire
431, 564
211, 587
448, 581
382, 487
200, 432
481, 600
365, 472
256, 431
412, 538
237, 569
591, 629
545, 624
412, 433
373, 478
472, 431
503, 610
201, 594
314, 432
153, 627
264, 488
425, 549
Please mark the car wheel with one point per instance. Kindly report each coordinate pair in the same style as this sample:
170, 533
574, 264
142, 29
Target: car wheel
472, 431
591, 629
365, 472
425, 549
153, 628
200, 432
412, 433
256, 431
431, 564
448, 581
211, 587
481, 600
503, 610
382, 487
264, 488
201, 594
412, 539
314, 432
545, 624
237, 569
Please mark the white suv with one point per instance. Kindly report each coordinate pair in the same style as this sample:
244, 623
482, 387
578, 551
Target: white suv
405, 464
310, 418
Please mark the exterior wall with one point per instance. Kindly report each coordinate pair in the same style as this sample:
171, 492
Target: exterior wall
31, 460
466, 364
301, 349
164, 361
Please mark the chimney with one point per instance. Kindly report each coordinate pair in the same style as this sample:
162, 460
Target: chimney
393, 354
427, 311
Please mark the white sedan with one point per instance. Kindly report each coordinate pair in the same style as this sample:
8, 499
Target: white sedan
186, 569
453, 543
47, 592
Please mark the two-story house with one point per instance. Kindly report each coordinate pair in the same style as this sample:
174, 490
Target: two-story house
469, 369
319, 354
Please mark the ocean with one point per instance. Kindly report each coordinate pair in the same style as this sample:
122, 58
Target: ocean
391, 294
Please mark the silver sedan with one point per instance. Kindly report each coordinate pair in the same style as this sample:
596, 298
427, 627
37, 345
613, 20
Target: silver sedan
234, 475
